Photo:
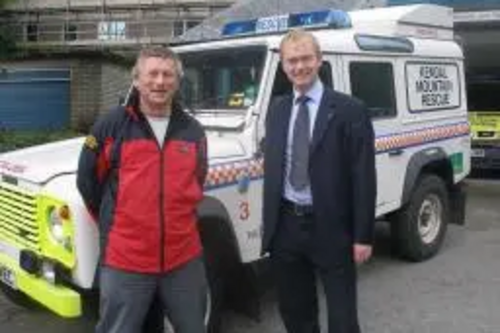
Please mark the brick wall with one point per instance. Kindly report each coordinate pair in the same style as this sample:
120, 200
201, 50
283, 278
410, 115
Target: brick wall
115, 82
85, 92
96, 87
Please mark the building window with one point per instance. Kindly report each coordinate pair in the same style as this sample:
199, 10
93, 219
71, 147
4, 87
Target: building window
180, 27
192, 23
114, 30
32, 32
70, 32
373, 83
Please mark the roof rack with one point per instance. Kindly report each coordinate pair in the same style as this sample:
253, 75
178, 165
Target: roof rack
423, 21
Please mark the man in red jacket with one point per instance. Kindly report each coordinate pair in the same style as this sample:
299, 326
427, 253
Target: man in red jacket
141, 174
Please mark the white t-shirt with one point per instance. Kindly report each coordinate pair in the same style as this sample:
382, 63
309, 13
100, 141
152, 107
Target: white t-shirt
159, 126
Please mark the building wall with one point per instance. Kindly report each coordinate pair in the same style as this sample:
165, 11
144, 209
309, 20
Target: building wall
96, 86
106, 23
123, 26
85, 92
115, 83
40, 4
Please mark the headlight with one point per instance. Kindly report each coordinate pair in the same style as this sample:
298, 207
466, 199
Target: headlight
58, 231
56, 225
58, 216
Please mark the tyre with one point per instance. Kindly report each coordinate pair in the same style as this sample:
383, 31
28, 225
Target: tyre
418, 229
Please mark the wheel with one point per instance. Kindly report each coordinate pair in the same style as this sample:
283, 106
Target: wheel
418, 229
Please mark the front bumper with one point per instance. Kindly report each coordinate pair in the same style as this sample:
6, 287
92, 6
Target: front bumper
57, 298
485, 158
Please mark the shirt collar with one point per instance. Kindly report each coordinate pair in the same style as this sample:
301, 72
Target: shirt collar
314, 93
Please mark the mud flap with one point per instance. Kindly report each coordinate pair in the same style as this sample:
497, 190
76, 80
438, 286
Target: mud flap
458, 199
245, 293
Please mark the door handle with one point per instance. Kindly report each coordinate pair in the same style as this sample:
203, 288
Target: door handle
396, 152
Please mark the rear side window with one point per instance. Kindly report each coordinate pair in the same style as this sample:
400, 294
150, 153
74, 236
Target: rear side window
373, 83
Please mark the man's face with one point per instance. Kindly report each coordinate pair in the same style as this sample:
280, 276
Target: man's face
157, 81
301, 62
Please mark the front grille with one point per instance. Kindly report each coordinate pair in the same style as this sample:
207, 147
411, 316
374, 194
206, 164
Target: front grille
486, 134
18, 211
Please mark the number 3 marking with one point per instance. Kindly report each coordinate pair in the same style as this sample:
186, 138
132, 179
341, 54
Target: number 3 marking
244, 210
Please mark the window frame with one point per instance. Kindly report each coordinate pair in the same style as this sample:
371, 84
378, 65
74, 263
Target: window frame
32, 32
393, 94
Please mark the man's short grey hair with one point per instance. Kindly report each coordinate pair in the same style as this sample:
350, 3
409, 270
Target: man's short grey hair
157, 52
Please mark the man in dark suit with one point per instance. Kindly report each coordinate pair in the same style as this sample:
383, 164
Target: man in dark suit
319, 192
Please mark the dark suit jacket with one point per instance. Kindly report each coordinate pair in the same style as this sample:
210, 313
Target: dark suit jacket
342, 174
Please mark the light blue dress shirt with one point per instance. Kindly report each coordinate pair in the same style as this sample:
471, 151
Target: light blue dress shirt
315, 94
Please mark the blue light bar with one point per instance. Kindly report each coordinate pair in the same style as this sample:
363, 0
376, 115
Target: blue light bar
239, 28
325, 18
336, 19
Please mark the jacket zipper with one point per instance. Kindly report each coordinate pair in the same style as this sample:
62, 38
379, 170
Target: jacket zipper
162, 210
162, 194
161, 191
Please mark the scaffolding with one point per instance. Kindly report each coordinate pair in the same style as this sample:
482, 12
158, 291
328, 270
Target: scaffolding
105, 24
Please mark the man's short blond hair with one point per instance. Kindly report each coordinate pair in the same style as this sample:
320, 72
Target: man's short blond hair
157, 52
296, 35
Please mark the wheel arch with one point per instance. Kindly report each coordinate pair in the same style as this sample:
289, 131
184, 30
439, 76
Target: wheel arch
217, 231
428, 161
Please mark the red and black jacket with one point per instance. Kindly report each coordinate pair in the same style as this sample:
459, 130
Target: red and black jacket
144, 197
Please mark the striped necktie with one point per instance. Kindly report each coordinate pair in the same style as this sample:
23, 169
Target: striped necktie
299, 173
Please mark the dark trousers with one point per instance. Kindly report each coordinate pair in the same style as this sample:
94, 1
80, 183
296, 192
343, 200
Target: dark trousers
295, 274
126, 298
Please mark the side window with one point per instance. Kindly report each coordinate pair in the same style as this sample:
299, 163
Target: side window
283, 86
373, 83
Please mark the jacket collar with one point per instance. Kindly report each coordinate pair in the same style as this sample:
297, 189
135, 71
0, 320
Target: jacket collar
326, 112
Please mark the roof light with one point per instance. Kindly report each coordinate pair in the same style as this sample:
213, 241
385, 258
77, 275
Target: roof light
337, 19
239, 28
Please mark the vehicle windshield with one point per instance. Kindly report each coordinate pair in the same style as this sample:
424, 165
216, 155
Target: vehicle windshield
225, 80
484, 96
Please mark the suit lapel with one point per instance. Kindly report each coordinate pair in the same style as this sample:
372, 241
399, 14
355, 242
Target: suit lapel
323, 118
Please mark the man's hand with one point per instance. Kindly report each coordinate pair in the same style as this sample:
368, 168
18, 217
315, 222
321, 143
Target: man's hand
362, 253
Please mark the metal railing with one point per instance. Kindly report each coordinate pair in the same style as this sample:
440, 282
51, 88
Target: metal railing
106, 23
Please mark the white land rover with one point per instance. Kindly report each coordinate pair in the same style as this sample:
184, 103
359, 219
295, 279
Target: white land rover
402, 61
